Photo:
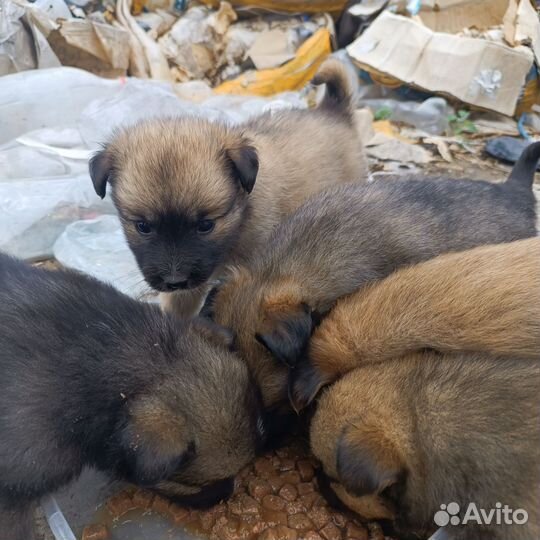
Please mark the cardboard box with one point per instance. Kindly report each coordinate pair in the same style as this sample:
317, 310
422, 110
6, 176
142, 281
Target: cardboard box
478, 72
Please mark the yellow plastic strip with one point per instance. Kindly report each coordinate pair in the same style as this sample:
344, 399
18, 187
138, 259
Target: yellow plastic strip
293, 75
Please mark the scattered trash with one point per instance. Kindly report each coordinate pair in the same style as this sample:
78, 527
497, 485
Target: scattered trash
507, 149
431, 116
475, 71
294, 75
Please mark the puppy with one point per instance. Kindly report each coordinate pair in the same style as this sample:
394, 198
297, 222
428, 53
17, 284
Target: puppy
91, 377
194, 195
349, 236
398, 439
486, 300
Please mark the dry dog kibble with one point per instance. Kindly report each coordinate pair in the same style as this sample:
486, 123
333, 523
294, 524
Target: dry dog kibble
120, 504
143, 499
300, 522
259, 488
272, 502
331, 532
95, 532
355, 532
288, 492
275, 498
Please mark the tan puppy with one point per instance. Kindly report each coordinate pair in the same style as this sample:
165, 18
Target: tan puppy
486, 300
195, 196
404, 437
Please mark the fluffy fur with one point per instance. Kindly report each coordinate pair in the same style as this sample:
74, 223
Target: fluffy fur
91, 377
348, 236
486, 300
194, 195
400, 438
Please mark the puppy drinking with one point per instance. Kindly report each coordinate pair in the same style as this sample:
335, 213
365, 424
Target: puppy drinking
93, 378
349, 236
486, 300
398, 439
194, 195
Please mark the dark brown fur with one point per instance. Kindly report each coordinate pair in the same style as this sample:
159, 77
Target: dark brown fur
90, 377
485, 300
174, 174
404, 436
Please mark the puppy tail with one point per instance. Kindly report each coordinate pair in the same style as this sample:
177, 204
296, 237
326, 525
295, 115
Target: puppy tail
522, 175
341, 87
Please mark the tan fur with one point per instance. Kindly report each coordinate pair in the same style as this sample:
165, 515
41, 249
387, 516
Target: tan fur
163, 165
461, 428
486, 299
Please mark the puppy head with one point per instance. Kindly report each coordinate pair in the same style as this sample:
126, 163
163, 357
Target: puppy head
272, 326
198, 424
181, 188
358, 451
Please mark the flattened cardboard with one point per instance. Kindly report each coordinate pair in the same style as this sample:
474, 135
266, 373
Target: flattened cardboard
453, 16
478, 72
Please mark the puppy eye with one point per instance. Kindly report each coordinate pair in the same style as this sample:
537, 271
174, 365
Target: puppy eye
205, 226
143, 227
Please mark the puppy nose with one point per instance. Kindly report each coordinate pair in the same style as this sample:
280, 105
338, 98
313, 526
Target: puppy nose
177, 285
175, 282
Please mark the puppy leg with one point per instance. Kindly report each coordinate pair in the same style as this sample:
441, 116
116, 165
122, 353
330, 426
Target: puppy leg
185, 304
16, 523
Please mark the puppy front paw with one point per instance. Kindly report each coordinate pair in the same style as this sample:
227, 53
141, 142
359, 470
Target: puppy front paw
329, 357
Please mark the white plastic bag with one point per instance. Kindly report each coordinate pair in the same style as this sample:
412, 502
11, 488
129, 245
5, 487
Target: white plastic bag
98, 247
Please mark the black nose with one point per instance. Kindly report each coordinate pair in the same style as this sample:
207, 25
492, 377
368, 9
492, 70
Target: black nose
209, 495
177, 285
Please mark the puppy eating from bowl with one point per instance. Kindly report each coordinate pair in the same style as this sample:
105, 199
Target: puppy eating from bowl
93, 378
194, 196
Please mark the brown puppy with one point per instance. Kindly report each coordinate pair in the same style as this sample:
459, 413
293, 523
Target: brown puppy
486, 300
349, 236
406, 436
195, 195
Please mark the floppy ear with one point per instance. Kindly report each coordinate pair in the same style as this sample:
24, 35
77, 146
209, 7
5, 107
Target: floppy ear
287, 333
154, 441
243, 163
304, 384
213, 332
100, 170
368, 463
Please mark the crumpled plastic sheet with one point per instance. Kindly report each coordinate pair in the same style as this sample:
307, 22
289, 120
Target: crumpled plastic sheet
53, 120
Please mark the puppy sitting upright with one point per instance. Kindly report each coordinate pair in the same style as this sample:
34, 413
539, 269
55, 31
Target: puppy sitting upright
194, 195
401, 438
351, 235
90, 377
486, 299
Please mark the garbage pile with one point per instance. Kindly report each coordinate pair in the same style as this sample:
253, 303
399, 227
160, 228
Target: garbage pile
443, 83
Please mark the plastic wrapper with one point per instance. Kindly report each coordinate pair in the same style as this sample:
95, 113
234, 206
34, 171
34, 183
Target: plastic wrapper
98, 247
335, 7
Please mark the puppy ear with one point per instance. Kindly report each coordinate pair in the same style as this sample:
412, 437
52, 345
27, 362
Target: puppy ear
287, 333
154, 441
100, 166
368, 463
213, 332
304, 384
243, 163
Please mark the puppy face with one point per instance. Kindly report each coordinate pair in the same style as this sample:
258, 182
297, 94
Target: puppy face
272, 326
196, 427
180, 187
363, 468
